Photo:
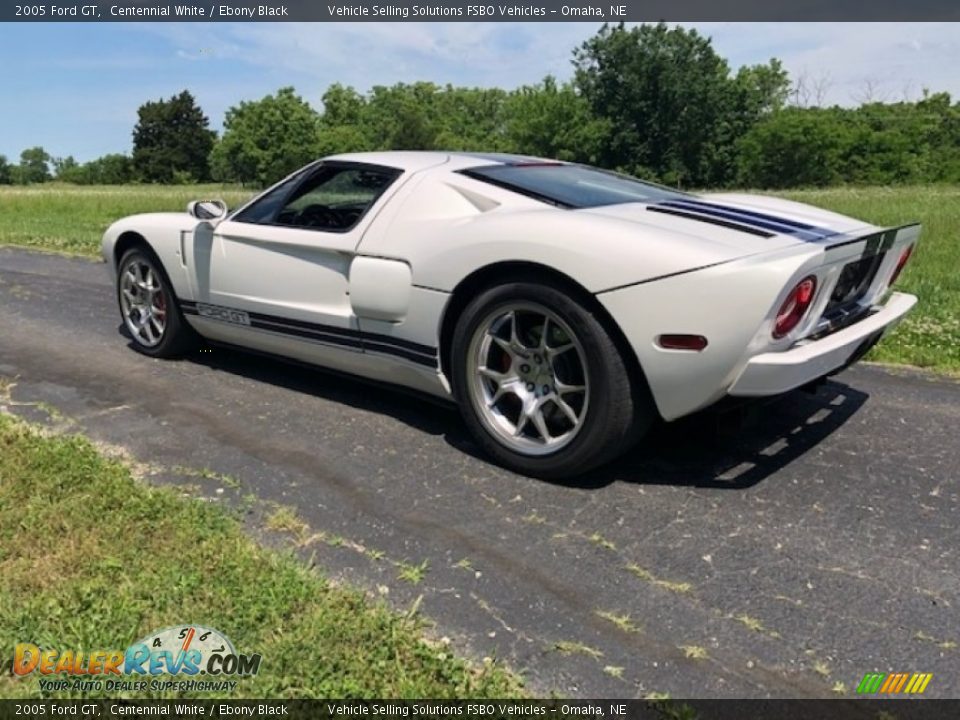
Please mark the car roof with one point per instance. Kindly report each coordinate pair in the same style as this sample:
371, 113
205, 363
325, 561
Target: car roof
420, 159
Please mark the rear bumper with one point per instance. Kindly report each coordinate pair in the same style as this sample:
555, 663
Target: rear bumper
778, 372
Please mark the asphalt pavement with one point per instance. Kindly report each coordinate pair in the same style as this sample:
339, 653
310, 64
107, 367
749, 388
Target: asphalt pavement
781, 550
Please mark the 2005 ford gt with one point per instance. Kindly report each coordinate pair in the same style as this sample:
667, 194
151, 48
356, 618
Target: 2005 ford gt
563, 307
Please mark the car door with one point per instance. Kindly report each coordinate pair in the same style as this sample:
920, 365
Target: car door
280, 265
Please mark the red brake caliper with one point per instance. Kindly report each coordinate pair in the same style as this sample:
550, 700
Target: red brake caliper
506, 362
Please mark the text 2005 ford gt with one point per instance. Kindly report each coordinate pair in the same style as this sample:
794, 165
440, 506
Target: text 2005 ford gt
561, 306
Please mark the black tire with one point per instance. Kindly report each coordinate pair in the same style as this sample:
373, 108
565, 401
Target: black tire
177, 337
617, 411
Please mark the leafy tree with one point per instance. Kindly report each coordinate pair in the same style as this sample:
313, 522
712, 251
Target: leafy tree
669, 101
755, 93
904, 142
794, 147
662, 91
342, 127
553, 120
76, 174
34, 166
113, 169
342, 105
62, 167
761, 89
267, 139
875, 144
471, 118
172, 137
335, 139
412, 116
939, 122
400, 116
6, 171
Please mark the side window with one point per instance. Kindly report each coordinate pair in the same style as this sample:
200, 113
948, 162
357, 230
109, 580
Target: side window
265, 208
335, 197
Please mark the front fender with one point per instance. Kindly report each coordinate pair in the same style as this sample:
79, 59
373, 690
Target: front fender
164, 234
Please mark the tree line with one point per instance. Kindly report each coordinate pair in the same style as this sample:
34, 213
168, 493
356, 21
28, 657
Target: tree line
653, 101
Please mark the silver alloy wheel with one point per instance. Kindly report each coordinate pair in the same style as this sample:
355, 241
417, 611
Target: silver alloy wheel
143, 302
528, 378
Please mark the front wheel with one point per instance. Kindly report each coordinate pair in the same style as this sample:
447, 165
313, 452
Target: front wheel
541, 383
149, 308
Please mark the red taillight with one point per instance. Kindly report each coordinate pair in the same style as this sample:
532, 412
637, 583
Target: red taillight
696, 343
794, 307
900, 264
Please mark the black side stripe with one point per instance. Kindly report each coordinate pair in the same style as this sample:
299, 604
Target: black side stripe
318, 335
345, 332
370, 345
345, 337
712, 220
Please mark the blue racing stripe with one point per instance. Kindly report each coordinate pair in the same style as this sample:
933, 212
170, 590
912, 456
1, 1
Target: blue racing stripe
752, 213
756, 219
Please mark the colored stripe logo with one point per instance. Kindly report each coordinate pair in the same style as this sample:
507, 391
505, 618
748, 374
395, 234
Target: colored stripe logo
894, 683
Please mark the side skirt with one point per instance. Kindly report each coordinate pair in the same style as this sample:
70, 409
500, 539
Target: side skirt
444, 401
320, 352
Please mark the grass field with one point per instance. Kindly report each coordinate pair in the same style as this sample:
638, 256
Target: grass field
72, 219
153, 559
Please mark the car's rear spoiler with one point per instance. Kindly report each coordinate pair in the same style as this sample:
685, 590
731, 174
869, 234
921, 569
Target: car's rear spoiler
875, 241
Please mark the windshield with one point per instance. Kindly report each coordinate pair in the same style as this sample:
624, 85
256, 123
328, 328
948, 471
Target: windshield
572, 186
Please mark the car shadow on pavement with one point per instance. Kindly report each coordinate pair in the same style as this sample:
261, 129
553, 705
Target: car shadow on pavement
730, 448
418, 410
734, 448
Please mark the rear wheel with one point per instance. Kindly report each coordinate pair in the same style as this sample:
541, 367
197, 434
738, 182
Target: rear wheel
541, 383
149, 308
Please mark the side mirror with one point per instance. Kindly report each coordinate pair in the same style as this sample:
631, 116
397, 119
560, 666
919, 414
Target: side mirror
207, 209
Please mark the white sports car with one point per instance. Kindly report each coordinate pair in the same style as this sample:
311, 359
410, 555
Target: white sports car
562, 307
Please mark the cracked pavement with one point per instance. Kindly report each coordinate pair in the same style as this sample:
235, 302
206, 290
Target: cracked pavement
778, 551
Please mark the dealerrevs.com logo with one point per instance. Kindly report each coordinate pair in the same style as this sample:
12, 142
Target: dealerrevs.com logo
181, 655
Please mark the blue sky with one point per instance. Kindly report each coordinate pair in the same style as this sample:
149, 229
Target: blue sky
75, 88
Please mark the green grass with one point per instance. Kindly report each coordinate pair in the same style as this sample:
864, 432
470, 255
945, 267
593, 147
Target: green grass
694, 652
413, 574
621, 620
568, 647
72, 219
91, 559
646, 575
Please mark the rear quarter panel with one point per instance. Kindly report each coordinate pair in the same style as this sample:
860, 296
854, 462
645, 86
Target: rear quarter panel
732, 305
